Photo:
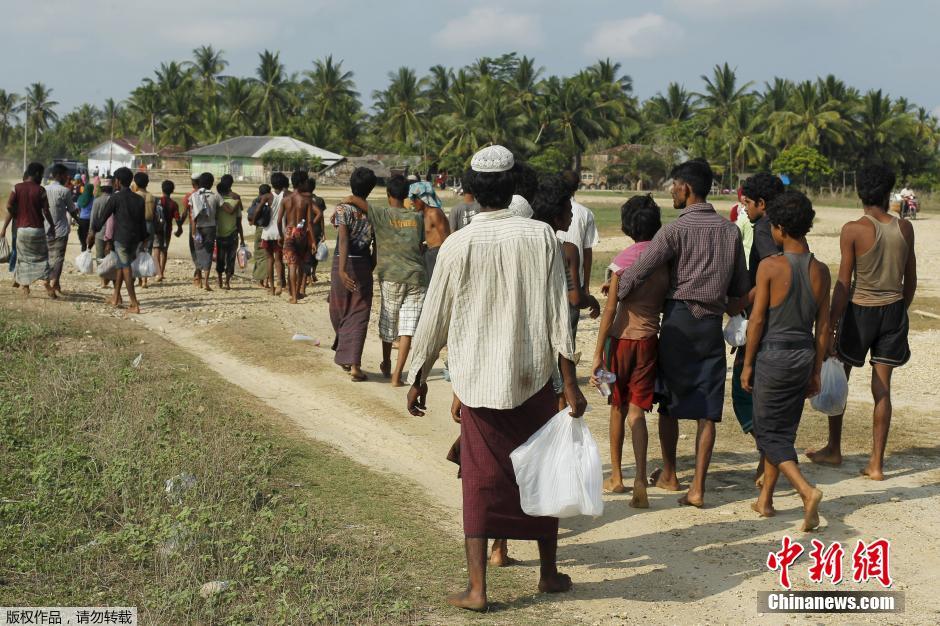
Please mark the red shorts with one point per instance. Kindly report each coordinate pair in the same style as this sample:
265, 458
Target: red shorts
634, 363
271, 244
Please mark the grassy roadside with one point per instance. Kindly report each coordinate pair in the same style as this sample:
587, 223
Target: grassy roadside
88, 442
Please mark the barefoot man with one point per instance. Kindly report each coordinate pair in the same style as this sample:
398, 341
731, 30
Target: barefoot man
130, 230
402, 274
787, 341
204, 207
29, 206
61, 207
504, 343
706, 267
878, 250
299, 214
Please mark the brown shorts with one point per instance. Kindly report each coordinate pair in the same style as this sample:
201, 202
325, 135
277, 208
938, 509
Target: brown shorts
271, 244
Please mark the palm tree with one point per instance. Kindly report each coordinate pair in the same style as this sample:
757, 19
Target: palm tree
238, 97
181, 120
608, 72
146, 105
9, 105
879, 125
576, 117
401, 108
274, 89
328, 86
809, 121
173, 77
722, 92
41, 109
524, 86
744, 131
776, 95
673, 108
208, 63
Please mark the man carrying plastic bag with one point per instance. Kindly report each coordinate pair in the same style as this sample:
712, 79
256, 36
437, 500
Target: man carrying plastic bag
504, 341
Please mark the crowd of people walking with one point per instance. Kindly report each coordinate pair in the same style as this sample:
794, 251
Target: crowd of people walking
501, 283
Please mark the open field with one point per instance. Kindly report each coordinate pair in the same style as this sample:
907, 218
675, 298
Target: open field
666, 565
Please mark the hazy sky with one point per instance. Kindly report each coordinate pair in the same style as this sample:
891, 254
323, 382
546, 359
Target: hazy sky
94, 49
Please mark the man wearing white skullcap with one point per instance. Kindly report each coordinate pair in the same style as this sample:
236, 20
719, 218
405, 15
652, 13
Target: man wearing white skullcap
498, 301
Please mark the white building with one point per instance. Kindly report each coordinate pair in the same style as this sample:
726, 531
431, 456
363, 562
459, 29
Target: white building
110, 155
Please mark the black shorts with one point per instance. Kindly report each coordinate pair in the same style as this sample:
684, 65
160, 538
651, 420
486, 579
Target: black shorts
879, 329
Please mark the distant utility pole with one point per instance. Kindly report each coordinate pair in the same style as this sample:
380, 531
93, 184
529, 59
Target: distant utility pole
25, 131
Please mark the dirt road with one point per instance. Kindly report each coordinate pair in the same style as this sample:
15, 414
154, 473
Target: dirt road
664, 565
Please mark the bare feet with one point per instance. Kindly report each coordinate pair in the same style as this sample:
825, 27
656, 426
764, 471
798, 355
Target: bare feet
386, 368
825, 456
811, 511
197, 282
207, 288
51, 291
468, 600
657, 480
357, 374
872, 473
26, 290
278, 291
692, 500
396, 381
614, 485
764, 510
499, 557
556, 583
639, 499
16, 285
134, 308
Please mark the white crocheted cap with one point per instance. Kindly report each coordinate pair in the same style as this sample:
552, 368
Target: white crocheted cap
520, 206
492, 159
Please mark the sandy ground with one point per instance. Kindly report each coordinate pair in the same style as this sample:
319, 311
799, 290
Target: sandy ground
663, 565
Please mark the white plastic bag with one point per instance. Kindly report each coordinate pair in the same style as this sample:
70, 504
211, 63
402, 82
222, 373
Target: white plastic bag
323, 252
833, 389
243, 256
558, 469
736, 331
107, 265
144, 266
85, 263
4, 250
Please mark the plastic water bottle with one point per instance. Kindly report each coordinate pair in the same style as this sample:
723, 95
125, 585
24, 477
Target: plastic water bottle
605, 379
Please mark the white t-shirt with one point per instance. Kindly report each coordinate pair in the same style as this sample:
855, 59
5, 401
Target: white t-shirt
272, 232
582, 233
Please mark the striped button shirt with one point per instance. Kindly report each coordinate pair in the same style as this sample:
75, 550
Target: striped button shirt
706, 261
498, 301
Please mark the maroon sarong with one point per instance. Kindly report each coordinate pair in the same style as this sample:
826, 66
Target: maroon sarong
490, 494
350, 310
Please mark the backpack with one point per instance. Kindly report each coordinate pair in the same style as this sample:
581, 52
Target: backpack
159, 213
263, 215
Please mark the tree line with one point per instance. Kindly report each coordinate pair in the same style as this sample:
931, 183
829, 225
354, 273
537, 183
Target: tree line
814, 130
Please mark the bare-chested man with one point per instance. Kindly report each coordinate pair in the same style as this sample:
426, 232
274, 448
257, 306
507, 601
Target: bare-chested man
299, 213
436, 226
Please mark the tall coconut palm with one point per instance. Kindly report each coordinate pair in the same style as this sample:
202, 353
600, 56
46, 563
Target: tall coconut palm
400, 108
524, 85
745, 134
776, 95
674, 107
9, 105
577, 118
208, 63
146, 106
274, 90
328, 87
182, 120
722, 93
173, 77
809, 121
879, 124
608, 72
42, 113
238, 97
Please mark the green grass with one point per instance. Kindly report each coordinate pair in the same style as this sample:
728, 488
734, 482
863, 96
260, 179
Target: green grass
87, 442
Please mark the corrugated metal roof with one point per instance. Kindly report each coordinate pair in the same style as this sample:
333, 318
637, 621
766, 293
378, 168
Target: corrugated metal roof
256, 147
